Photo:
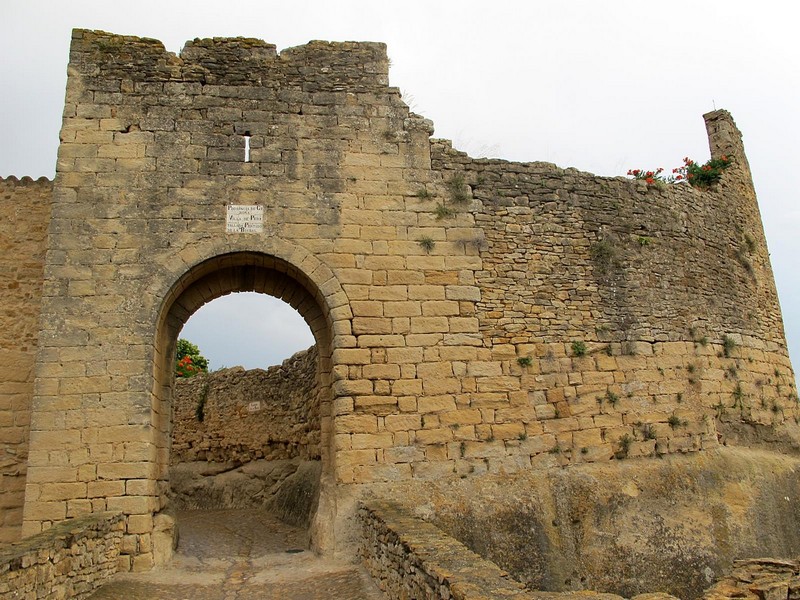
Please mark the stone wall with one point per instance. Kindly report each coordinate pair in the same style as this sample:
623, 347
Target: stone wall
626, 527
25, 208
470, 315
69, 560
412, 558
759, 579
409, 558
235, 416
615, 316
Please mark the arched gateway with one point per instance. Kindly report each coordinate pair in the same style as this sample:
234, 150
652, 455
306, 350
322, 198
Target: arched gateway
472, 317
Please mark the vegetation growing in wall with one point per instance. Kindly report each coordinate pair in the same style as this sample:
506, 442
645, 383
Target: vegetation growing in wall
442, 211
456, 193
648, 432
456, 187
705, 175
675, 421
603, 255
578, 349
728, 344
625, 443
426, 243
699, 176
738, 396
746, 248
200, 409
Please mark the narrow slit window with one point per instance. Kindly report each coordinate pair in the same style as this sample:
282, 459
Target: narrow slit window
246, 146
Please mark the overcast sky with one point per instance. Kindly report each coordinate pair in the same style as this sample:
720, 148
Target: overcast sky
601, 86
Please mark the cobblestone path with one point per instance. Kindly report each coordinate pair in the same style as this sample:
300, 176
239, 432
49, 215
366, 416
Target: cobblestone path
242, 555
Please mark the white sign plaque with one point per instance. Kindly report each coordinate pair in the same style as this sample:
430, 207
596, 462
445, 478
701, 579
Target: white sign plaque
254, 407
245, 218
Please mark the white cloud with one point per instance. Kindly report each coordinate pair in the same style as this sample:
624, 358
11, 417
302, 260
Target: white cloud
247, 329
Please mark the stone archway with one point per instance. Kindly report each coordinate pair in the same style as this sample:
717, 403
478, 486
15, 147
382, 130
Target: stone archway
218, 276
121, 437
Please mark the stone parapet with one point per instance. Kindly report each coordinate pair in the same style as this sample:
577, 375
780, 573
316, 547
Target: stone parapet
69, 560
409, 558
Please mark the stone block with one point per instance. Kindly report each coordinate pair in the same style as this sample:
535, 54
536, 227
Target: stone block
371, 440
357, 423
433, 436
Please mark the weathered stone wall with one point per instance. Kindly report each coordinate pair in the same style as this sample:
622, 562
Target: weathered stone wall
758, 579
235, 416
69, 560
25, 209
623, 319
627, 527
409, 558
445, 334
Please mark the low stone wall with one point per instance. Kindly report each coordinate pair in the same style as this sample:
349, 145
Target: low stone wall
409, 558
69, 560
625, 527
238, 416
759, 579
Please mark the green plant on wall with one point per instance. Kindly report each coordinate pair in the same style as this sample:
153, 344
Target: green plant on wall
705, 175
699, 176
578, 348
200, 409
738, 396
603, 255
745, 251
442, 211
426, 243
625, 443
457, 189
728, 345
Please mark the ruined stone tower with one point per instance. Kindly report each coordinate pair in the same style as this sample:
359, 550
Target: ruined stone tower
472, 316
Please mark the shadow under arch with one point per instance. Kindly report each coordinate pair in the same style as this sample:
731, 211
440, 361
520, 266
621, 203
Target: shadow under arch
244, 271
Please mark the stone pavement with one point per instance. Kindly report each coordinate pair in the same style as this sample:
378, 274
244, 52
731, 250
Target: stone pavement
242, 555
